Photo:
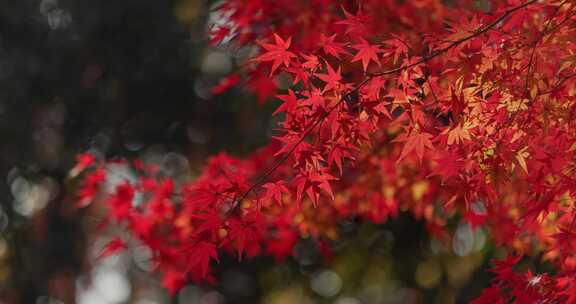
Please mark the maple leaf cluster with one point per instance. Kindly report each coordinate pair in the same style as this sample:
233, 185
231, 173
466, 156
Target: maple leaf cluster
440, 110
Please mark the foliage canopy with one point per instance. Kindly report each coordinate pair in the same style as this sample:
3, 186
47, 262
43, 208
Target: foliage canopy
438, 108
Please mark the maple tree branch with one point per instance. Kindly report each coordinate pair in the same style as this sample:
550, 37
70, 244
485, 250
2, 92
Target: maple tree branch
457, 42
558, 84
531, 64
262, 179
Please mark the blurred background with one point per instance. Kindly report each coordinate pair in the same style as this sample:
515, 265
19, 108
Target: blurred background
132, 78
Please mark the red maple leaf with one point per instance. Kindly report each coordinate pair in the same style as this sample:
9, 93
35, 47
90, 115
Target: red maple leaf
199, 256
275, 190
416, 141
332, 78
311, 61
277, 53
210, 222
173, 280
217, 35
262, 86
366, 53
113, 247
121, 202
331, 47
355, 24
290, 103
282, 245
226, 83
399, 48
337, 154
90, 186
84, 160
312, 183
503, 268
246, 232
448, 165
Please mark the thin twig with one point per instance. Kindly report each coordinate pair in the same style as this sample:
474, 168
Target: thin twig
457, 42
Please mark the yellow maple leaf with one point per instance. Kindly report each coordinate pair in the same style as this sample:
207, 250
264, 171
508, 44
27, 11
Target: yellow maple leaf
521, 156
